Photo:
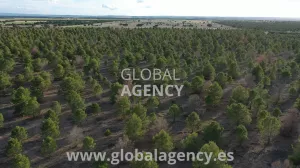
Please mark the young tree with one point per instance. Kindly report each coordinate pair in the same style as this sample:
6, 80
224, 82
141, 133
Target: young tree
123, 106
269, 127
197, 84
242, 133
214, 95
48, 146
213, 132
174, 111
208, 148
89, 143
152, 103
79, 115
163, 141
222, 79
21, 161
75, 101
140, 111
1, 120
95, 108
50, 128
13, 147
5, 81
239, 114
55, 106
97, 90
209, 72
74, 83
53, 116
31, 108
19, 80
19, 133
240, 95
58, 72
193, 122
19, 98
134, 127
143, 162
258, 73
191, 143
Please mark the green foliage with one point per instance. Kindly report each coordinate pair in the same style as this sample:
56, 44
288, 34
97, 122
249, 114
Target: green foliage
19, 133
269, 127
207, 148
100, 164
20, 96
48, 146
58, 72
1, 120
213, 132
115, 88
97, 90
222, 79
193, 122
140, 111
21, 161
5, 80
79, 115
75, 84
134, 127
95, 108
13, 147
197, 84
31, 108
163, 141
152, 103
214, 94
192, 142
50, 128
209, 72
89, 143
75, 101
55, 106
242, 133
6, 64
53, 116
123, 106
294, 158
107, 132
174, 111
152, 117
297, 103
239, 114
258, 73
240, 95
19, 80
277, 112
144, 163
28, 74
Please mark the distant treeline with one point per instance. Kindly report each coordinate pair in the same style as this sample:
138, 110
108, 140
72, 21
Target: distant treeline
263, 25
60, 22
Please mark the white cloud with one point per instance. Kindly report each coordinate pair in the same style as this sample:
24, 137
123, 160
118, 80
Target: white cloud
140, 1
109, 7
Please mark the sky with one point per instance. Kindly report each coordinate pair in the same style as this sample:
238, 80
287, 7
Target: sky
225, 8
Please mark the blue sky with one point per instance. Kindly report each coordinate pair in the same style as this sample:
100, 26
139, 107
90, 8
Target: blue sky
242, 8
